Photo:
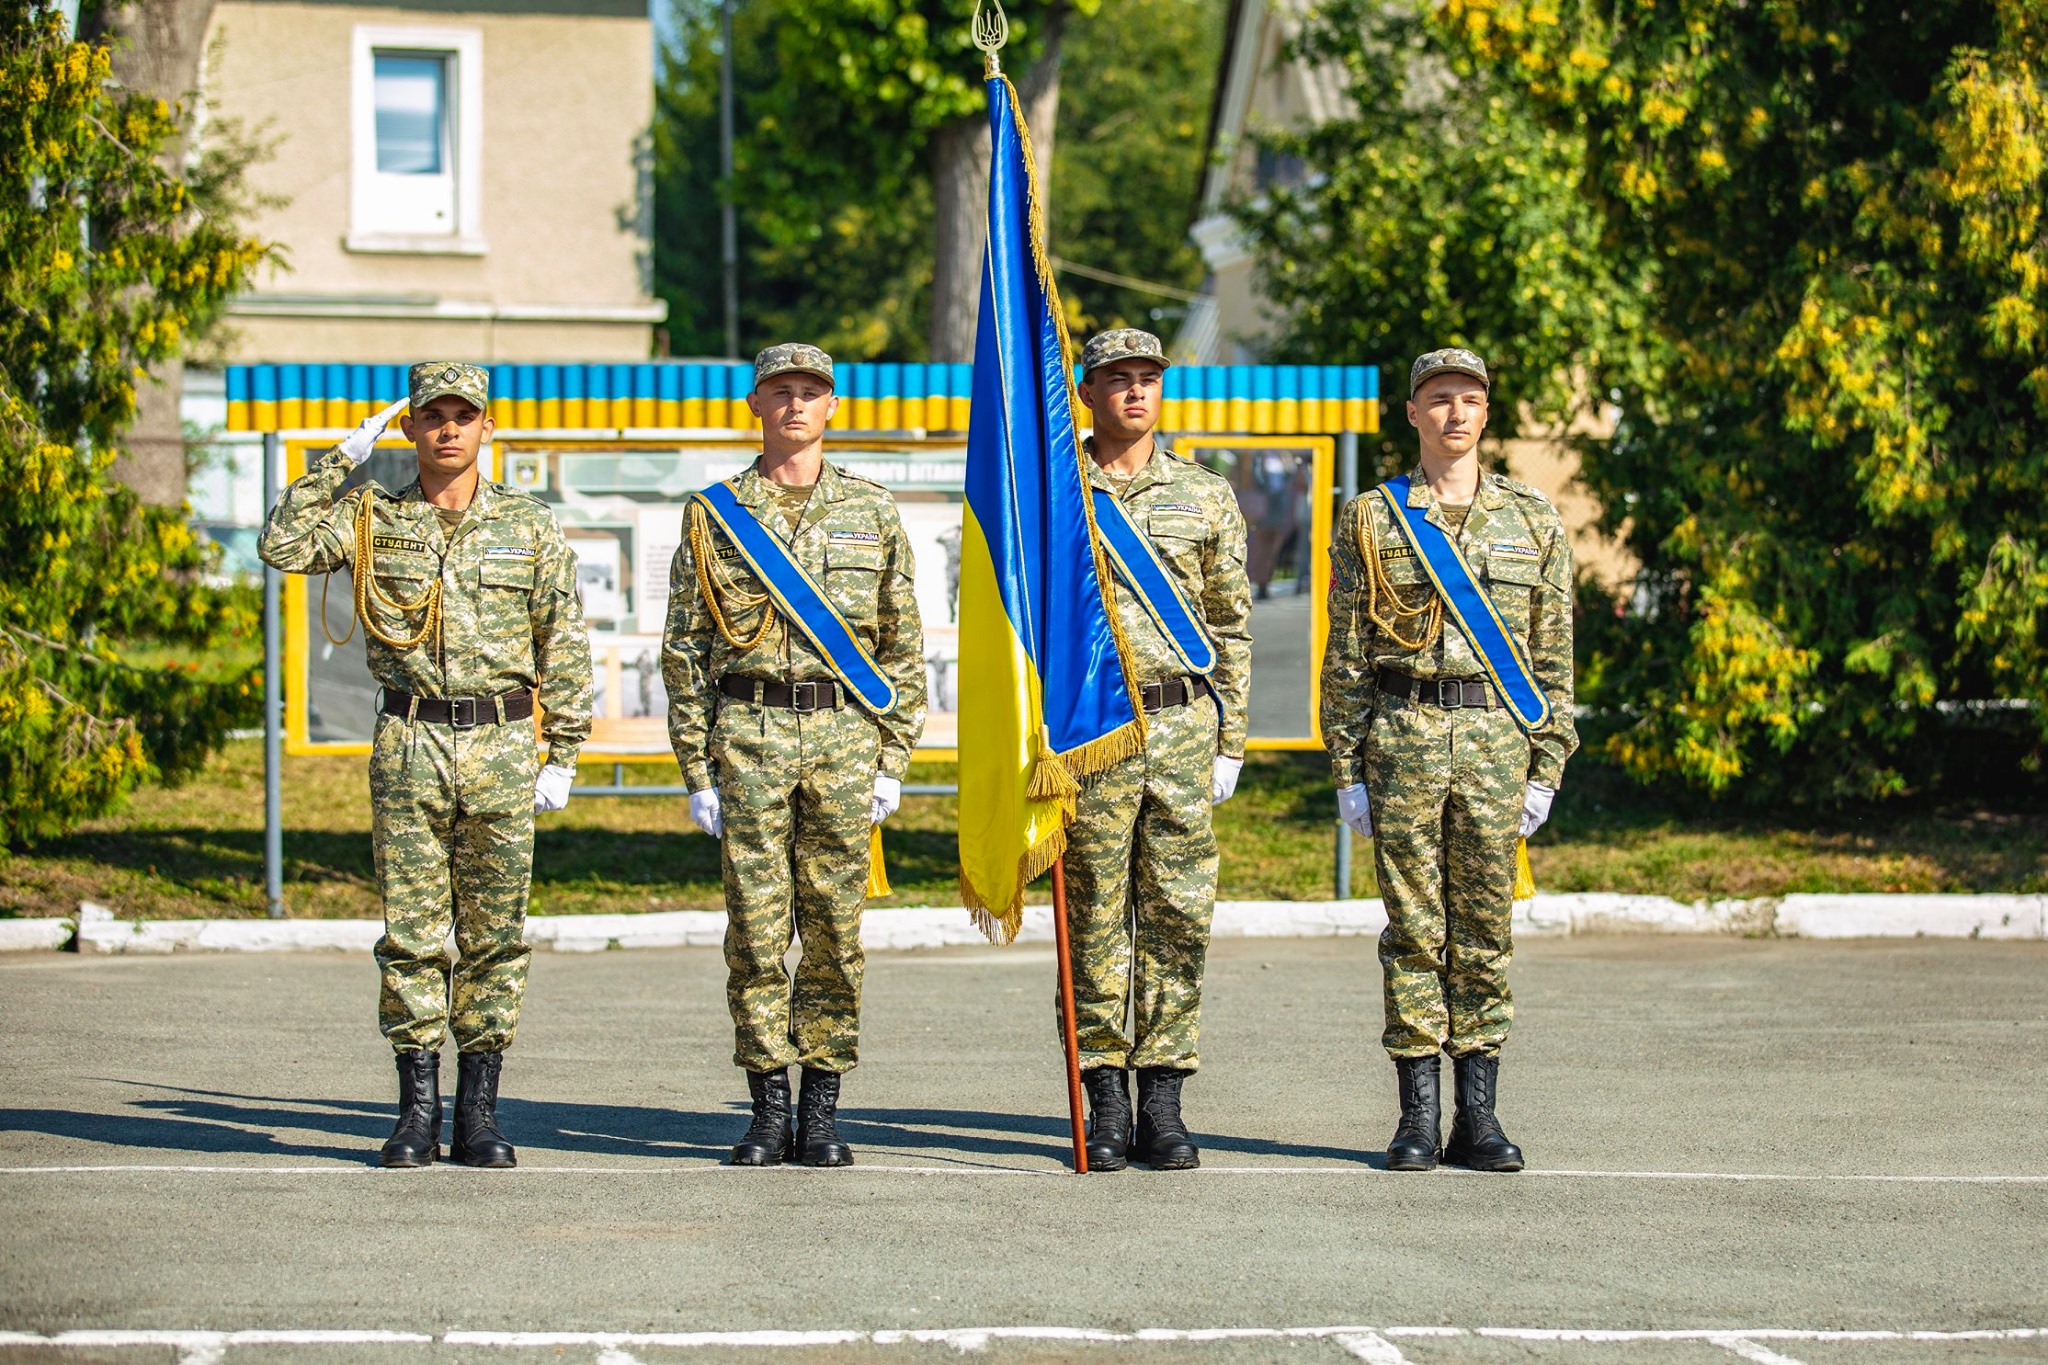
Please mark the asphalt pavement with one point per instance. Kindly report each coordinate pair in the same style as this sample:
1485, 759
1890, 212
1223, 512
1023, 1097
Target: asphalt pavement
1739, 1150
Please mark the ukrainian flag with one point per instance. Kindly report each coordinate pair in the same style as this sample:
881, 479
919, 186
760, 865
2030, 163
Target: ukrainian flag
1044, 698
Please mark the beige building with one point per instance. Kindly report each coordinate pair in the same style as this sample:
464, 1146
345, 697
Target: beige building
1259, 87
458, 177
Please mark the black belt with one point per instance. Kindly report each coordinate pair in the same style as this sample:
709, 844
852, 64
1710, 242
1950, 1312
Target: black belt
464, 713
803, 696
1173, 692
1453, 694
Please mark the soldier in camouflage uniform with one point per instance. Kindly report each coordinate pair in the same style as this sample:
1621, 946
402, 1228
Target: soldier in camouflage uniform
468, 602
1429, 761
1140, 862
784, 766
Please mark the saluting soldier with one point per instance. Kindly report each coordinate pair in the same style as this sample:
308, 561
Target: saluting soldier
1140, 862
1447, 710
794, 661
466, 592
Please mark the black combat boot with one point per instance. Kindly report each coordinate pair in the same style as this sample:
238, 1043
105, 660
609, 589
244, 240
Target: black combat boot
769, 1138
416, 1141
1162, 1140
1415, 1141
1109, 1118
817, 1128
477, 1139
1476, 1138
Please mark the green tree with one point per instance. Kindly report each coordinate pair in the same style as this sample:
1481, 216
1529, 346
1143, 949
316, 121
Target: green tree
1134, 101
1836, 490
1440, 211
117, 660
839, 164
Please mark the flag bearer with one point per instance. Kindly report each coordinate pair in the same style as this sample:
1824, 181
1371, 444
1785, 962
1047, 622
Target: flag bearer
794, 661
466, 591
1447, 710
1140, 863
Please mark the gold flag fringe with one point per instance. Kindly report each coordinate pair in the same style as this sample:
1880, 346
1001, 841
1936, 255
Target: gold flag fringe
1000, 925
878, 873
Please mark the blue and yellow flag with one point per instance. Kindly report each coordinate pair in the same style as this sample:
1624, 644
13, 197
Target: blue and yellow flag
1044, 698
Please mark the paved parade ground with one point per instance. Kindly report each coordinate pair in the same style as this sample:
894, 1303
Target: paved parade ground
1764, 1150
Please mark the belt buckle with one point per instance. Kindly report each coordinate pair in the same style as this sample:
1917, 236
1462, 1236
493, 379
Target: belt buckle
455, 713
1450, 693
798, 692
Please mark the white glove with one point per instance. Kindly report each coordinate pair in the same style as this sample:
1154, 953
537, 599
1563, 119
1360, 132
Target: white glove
358, 444
1355, 810
1536, 799
705, 813
888, 796
551, 788
1223, 778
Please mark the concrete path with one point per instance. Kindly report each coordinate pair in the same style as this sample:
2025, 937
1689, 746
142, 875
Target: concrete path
1761, 1150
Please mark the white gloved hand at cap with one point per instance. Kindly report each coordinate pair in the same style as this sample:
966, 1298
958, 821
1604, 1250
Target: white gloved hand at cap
1223, 778
1536, 799
888, 796
1355, 810
358, 444
551, 788
705, 813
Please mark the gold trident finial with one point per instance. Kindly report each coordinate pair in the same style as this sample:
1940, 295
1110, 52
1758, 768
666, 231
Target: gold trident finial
991, 31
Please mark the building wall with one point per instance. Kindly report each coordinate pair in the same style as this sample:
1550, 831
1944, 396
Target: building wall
561, 268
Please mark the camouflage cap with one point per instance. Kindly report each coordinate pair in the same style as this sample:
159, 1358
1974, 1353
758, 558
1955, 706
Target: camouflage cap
1449, 360
431, 379
791, 356
1121, 343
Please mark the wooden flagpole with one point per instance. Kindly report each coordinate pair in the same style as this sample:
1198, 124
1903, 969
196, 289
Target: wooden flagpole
1066, 964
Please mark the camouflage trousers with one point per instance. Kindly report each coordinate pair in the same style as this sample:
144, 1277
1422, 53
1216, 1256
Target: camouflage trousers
797, 791
1446, 790
452, 822
1141, 889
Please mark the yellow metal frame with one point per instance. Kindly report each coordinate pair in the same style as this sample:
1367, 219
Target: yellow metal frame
299, 601
1322, 478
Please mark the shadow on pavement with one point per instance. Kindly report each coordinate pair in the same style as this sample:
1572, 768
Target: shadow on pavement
210, 1121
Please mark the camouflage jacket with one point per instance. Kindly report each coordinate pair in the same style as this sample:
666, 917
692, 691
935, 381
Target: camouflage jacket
510, 618
1516, 543
1192, 519
850, 541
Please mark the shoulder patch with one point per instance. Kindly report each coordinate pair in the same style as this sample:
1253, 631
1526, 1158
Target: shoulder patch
390, 542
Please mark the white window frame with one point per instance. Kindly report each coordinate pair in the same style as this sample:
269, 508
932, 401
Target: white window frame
464, 50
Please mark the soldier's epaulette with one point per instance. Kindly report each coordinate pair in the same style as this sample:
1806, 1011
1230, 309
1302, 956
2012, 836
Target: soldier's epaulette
851, 477
1522, 490
506, 490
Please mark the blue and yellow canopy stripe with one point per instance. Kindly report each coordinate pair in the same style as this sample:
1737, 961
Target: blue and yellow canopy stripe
1245, 400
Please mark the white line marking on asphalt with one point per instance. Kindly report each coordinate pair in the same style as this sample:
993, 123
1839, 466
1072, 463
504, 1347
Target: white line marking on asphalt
612, 1355
1374, 1349
450, 1170
1754, 1351
1356, 1339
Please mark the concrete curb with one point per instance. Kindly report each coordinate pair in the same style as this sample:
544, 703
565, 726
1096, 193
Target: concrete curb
1800, 916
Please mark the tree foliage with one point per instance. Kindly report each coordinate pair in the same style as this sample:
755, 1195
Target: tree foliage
1439, 211
117, 660
1834, 397
838, 102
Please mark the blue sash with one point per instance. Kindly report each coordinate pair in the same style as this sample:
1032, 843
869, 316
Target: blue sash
800, 599
1131, 555
1471, 609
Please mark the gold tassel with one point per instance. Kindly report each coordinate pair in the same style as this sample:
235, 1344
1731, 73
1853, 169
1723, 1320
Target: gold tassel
878, 874
1525, 876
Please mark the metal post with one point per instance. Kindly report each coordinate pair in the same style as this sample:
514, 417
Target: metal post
273, 704
729, 233
1347, 477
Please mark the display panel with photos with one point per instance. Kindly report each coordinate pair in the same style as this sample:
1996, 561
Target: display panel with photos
620, 505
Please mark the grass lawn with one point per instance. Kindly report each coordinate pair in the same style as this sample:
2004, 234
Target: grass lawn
197, 849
